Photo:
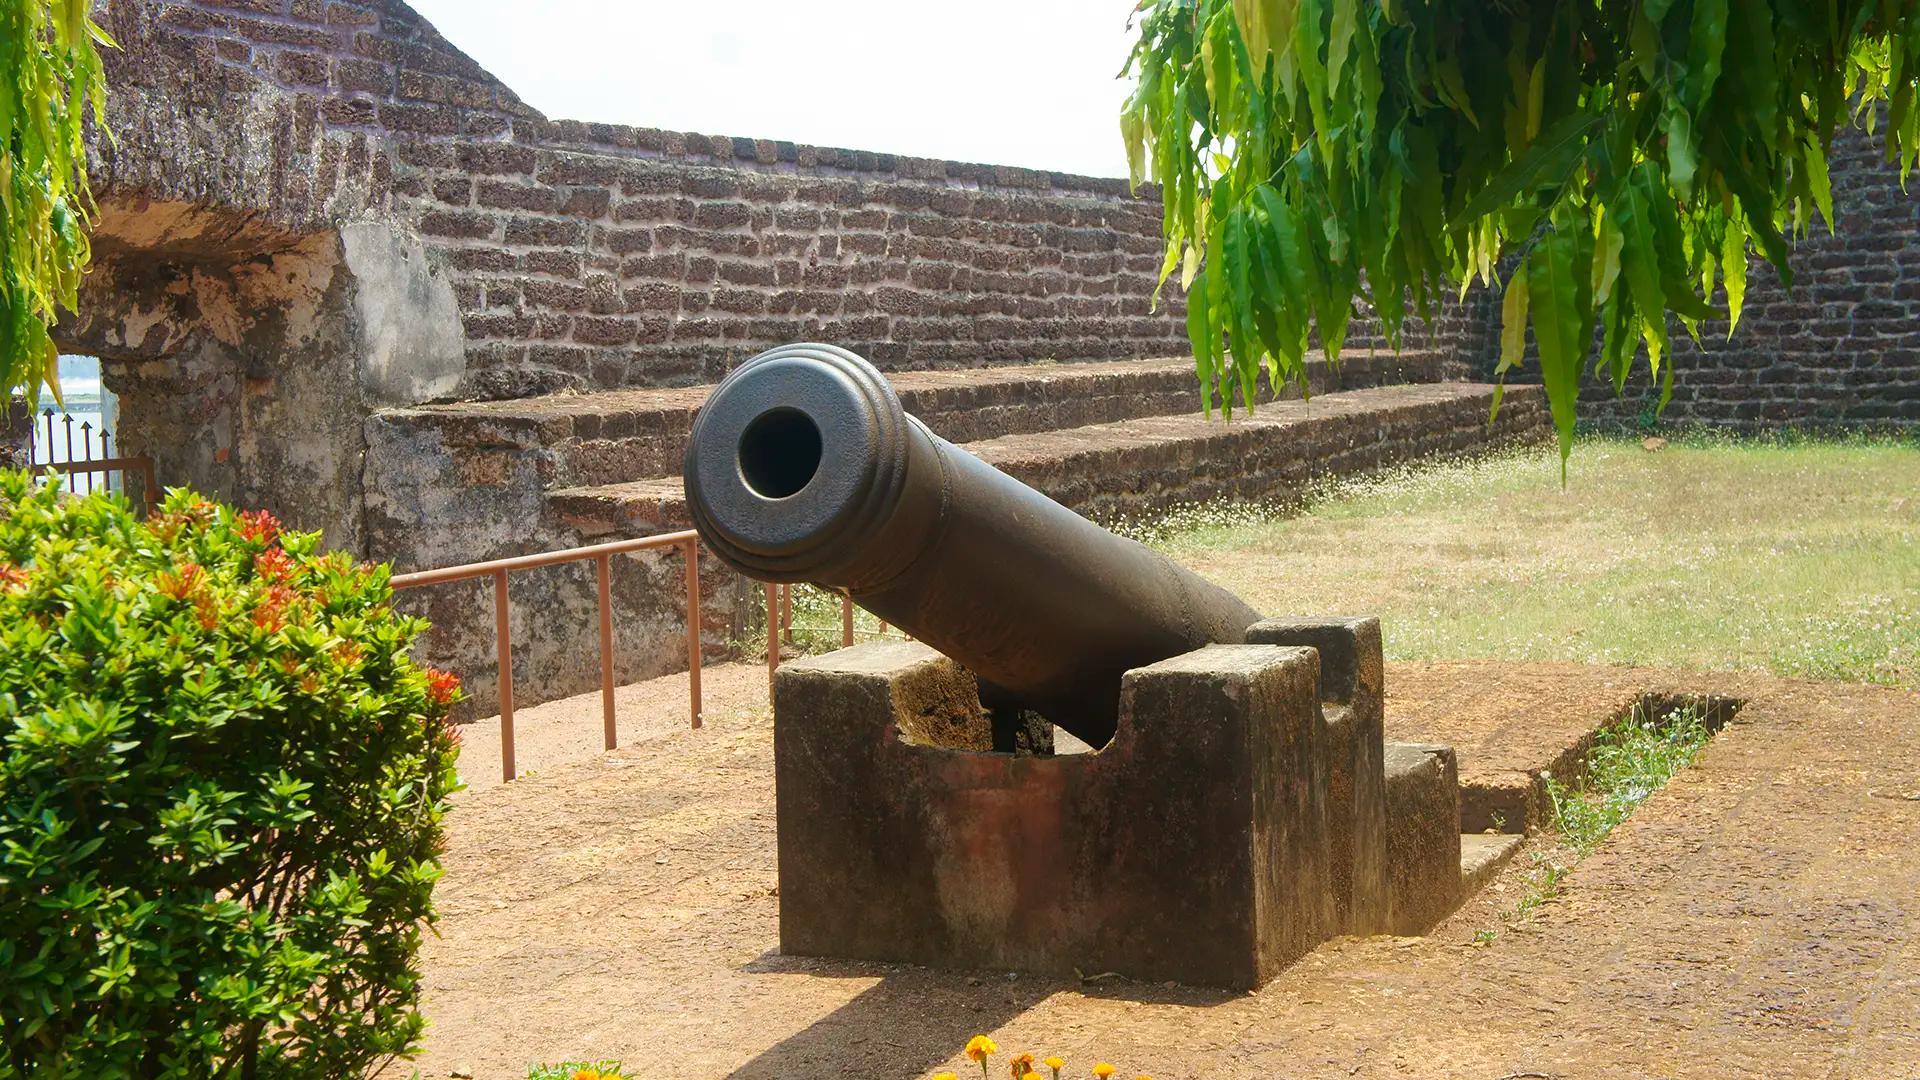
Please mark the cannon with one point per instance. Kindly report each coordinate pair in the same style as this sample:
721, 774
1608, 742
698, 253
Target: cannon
1235, 812
803, 467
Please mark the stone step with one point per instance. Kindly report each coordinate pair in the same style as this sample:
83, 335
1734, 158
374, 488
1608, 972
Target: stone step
1482, 855
1145, 465
618, 436
1424, 850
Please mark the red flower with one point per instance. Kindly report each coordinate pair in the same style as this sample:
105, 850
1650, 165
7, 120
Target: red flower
181, 584
442, 686
348, 653
12, 577
274, 565
259, 526
271, 615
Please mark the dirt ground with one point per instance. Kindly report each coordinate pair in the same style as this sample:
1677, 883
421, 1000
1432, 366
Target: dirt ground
1759, 916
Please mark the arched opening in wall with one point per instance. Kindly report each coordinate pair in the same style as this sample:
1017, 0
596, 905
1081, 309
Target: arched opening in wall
247, 358
77, 434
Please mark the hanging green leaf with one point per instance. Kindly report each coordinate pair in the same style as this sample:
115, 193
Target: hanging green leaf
1628, 157
1546, 162
1513, 323
1205, 340
1733, 270
50, 83
1561, 302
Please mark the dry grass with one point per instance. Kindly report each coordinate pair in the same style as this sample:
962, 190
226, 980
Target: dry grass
1796, 556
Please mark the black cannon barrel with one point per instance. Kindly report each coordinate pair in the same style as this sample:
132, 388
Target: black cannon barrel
802, 466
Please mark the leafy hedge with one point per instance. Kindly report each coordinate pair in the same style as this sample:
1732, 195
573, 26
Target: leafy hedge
222, 786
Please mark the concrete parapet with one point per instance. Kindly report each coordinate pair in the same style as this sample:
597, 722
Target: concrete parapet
1193, 847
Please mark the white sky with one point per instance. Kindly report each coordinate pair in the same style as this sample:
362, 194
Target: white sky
1007, 82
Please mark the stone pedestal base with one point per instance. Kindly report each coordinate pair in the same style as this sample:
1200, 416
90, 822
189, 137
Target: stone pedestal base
1193, 847
1423, 845
1352, 691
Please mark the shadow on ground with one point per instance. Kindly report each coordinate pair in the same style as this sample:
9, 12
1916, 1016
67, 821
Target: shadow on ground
867, 1036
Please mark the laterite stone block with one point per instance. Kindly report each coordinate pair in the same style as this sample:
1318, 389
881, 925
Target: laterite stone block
1352, 684
1423, 834
1193, 847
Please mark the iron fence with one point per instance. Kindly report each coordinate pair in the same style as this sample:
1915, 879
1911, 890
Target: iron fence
51, 444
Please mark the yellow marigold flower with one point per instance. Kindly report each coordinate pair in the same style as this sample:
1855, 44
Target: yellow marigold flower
586, 1074
1020, 1066
1053, 1062
945, 1076
1032, 1076
979, 1048
1104, 1070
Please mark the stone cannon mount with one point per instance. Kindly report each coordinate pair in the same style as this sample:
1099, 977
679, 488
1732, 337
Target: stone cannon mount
1245, 810
1239, 809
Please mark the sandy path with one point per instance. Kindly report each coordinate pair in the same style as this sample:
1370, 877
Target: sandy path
1758, 916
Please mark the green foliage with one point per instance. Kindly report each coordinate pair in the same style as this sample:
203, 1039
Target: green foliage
1629, 761
814, 625
221, 796
1540, 885
577, 1070
1622, 157
49, 77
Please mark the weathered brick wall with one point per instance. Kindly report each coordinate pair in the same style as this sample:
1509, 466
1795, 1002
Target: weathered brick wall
1841, 349
592, 255
622, 257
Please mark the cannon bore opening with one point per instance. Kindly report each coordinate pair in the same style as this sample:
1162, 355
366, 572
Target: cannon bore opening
779, 453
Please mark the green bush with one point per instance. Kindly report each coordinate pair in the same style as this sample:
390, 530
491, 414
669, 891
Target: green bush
221, 796
577, 1070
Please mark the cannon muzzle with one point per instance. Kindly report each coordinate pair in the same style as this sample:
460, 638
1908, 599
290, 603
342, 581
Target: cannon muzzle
802, 466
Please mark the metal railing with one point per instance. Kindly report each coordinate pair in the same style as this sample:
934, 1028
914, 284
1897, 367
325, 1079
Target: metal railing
602, 554
80, 463
780, 623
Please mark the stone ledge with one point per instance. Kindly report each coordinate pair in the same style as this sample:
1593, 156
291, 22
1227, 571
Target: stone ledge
1481, 857
1142, 466
1423, 835
623, 435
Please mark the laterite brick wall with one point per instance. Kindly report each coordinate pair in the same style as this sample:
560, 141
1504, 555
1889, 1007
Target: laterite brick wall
1841, 349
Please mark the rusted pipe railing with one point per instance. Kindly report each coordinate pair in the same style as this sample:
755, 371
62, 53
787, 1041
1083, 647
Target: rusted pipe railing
773, 636
689, 544
780, 624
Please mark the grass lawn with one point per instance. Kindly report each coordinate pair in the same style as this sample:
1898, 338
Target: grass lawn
1796, 556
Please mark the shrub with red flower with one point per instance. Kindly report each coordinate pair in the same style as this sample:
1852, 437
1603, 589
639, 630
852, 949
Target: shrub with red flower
182, 583
443, 687
271, 612
274, 565
278, 770
258, 526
